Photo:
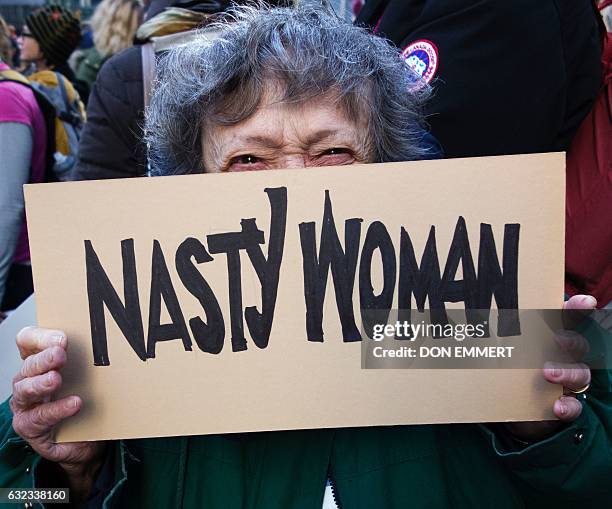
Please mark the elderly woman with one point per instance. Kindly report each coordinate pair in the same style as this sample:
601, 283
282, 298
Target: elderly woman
289, 89
284, 90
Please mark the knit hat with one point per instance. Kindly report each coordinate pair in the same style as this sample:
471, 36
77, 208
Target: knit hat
57, 32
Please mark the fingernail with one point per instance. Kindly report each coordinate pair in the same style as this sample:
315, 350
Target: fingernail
57, 339
562, 409
553, 370
74, 402
590, 301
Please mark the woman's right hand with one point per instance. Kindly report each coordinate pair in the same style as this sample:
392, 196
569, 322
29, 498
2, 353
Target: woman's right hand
36, 413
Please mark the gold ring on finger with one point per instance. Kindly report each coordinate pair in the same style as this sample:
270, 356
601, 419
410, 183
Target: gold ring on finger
582, 390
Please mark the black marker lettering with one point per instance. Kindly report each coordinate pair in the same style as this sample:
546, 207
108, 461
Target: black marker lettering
231, 244
503, 285
100, 292
377, 237
462, 290
343, 267
208, 336
423, 282
161, 288
459, 290
268, 269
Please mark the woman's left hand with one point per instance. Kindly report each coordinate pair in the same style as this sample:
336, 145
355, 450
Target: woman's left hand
574, 378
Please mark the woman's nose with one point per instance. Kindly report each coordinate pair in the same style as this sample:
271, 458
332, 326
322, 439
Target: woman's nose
293, 161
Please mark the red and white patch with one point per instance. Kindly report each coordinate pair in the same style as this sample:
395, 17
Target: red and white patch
422, 57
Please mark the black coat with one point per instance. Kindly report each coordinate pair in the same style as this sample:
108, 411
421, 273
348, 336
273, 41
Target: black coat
512, 77
111, 142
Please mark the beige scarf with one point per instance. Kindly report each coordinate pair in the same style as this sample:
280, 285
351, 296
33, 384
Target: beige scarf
171, 21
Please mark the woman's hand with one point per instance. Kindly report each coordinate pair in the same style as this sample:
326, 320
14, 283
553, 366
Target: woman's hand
572, 377
36, 413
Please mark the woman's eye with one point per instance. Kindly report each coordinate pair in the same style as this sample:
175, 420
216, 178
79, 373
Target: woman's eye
246, 162
335, 151
335, 156
245, 159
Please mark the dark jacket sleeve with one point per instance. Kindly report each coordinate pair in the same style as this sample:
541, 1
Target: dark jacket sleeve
111, 144
17, 459
22, 467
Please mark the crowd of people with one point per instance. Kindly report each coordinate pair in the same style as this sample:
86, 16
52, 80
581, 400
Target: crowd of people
43, 113
125, 95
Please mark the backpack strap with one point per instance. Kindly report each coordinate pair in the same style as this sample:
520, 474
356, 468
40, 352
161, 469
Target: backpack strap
62, 87
14, 76
147, 52
66, 115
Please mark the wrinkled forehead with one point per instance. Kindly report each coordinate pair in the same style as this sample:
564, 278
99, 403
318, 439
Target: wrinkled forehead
241, 103
279, 116
275, 113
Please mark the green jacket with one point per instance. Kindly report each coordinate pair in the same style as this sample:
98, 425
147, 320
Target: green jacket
429, 467
415, 467
88, 66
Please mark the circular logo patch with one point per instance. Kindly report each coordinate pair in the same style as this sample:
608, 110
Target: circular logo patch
422, 57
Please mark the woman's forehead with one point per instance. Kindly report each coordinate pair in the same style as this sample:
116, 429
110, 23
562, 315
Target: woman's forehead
277, 122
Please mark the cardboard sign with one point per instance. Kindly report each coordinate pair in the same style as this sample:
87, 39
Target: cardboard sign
227, 303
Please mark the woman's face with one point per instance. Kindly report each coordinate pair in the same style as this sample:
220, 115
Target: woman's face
30, 50
280, 135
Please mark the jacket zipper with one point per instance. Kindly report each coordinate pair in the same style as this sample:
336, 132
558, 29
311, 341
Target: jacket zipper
334, 491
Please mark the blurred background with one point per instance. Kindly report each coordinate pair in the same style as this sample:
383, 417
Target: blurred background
15, 11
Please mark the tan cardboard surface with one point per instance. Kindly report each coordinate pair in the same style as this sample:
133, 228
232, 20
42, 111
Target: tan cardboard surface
292, 383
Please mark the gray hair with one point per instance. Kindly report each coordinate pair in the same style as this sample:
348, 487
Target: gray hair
309, 51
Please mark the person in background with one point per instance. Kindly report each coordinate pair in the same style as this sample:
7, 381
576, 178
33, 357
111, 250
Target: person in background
85, 44
114, 25
50, 36
588, 228
8, 51
15, 43
508, 77
23, 150
112, 144
518, 77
